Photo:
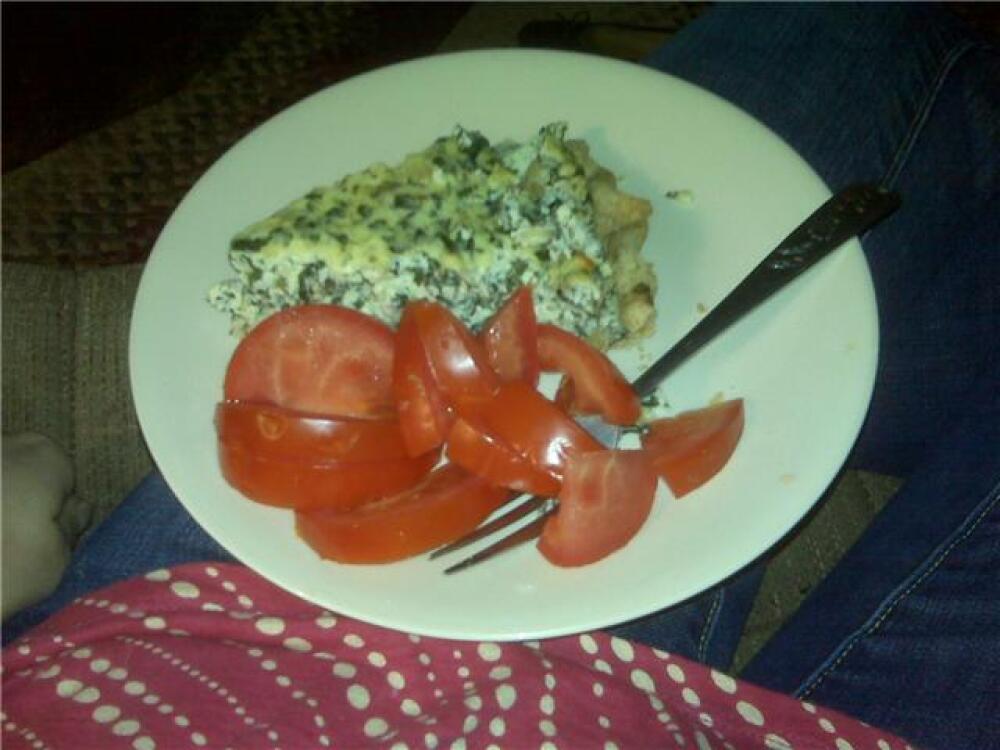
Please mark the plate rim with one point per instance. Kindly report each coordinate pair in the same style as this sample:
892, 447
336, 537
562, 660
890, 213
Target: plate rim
156, 257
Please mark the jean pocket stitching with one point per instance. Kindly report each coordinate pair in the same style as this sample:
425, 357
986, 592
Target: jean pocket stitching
709, 626
923, 113
890, 606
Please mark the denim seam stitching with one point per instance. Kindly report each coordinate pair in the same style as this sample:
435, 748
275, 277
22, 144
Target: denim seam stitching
810, 685
709, 626
916, 127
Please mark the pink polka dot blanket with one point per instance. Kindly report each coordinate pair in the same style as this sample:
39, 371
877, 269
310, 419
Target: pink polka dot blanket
215, 656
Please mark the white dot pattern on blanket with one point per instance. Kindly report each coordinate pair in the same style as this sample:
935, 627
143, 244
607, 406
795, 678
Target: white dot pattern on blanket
376, 727
502, 672
642, 680
106, 713
185, 589
134, 687
126, 728
270, 625
398, 690
326, 621
344, 670
88, 695
690, 697
675, 673
750, 713
489, 651
359, 697
547, 704
100, 665
622, 649
506, 695
67, 688
724, 682
297, 644
396, 680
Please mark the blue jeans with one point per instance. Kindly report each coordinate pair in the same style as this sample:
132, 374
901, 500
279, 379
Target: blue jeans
905, 632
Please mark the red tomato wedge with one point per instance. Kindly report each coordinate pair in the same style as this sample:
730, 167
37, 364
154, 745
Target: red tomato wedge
488, 457
457, 359
321, 359
511, 339
605, 499
276, 433
519, 416
424, 417
691, 448
597, 386
447, 504
337, 485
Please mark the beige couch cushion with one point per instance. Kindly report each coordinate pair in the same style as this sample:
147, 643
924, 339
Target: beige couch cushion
65, 375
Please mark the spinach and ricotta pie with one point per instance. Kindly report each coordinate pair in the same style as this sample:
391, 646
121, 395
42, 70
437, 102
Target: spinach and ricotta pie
463, 222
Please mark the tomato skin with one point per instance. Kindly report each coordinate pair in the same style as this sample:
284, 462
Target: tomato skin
337, 485
449, 503
519, 416
277, 433
511, 339
605, 499
484, 455
457, 359
423, 415
320, 359
593, 384
689, 449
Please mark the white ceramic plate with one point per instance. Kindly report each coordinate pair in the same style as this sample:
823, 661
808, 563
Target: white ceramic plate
804, 361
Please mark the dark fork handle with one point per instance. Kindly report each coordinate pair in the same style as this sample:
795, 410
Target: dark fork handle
848, 213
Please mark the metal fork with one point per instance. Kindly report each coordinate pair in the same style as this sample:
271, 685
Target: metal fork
850, 212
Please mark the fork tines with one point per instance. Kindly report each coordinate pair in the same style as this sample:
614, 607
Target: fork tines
538, 508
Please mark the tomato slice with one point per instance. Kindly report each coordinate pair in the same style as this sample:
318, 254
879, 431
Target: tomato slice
482, 454
519, 416
277, 433
689, 449
457, 359
605, 499
337, 485
423, 415
320, 359
597, 386
511, 339
450, 502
